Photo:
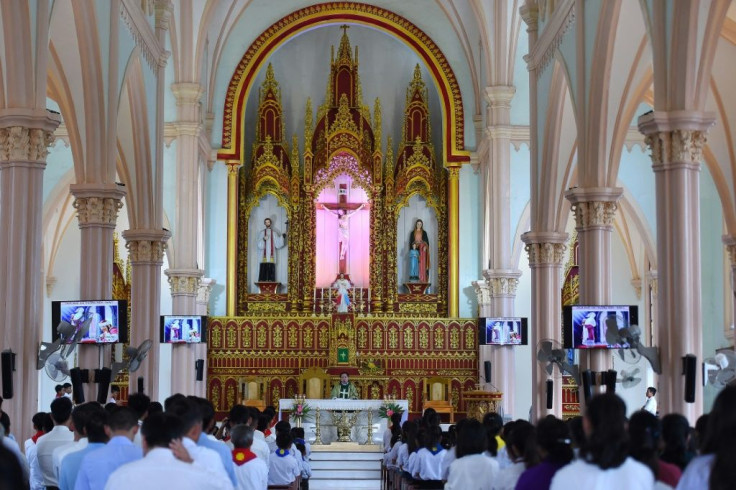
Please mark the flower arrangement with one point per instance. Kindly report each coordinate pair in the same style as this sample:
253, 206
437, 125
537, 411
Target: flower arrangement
301, 409
388, 409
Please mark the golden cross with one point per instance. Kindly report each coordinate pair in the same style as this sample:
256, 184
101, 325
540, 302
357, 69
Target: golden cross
344, 28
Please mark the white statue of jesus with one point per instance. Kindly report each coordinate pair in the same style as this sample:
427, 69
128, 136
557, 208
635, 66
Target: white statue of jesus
343, 224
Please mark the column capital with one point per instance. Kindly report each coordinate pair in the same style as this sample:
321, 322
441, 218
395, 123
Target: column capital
676, 136
636, 284
187, 93
483, 291
184, 282
25, 134
205, 289
502, 282
730, 242
652, 280
530, 14
594, 207
146, 246
545, 247
500, 95
97, 204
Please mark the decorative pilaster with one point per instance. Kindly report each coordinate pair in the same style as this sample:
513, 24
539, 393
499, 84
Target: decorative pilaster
676, 140
24, 139
546, 252
454, 239
730, 242
203, 295
146, 251
651, 305
232, 236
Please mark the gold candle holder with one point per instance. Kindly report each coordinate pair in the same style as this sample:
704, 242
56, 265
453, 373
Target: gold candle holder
317, 431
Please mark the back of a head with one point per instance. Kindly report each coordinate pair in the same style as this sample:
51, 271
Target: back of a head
720, 435
283, 440
111, 407
176, 397
241, 436
607, 445
577, 433
188, 412
409, 435
263, 421
282, 426
471, 438
155, 407
11, 472
553, 436
61, 410
139, 402
82, 413
297, 433
48, 422
644, 435
521, 441
58, 388
207, 410
432, 436
254, 414
396, 419
122, 420
675, 433
94, 427
38, 420
160, 429
493, 422
239, 414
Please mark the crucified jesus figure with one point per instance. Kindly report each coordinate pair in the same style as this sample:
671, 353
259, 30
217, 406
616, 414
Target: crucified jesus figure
343, 224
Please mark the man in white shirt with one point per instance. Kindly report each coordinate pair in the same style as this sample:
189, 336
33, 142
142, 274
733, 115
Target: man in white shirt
651, 403
80, 415
159, 467
61, 434
250, 470
114, 394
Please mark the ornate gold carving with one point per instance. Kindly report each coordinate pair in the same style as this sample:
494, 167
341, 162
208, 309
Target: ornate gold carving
20, 144
409, 337
216, 337
101, 211
424, 309
232, 337
308, 341
344, 119
545, 253
216, 396
454, 338
470, 338
594, 213
230, 395
275, 396
266, 307
439, 337
423, 338
261, 336
393, 338
378, 337
502, 286
362, 337
247, 335
455, 398
293, 337
277, 336
410, 397
323, 338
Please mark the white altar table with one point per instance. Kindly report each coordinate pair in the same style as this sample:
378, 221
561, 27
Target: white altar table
329, 431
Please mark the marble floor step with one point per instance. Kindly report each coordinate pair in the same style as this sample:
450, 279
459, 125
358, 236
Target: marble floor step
337, 464
347, 474
344, 485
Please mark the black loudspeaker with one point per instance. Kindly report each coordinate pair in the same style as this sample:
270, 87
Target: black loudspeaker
78, 376
550, 392
609, 378
140, 384
199, 369
689, 369
588, 383
102, 378
487, 370
8, 366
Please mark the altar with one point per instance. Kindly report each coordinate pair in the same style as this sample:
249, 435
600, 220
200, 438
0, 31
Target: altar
365, 413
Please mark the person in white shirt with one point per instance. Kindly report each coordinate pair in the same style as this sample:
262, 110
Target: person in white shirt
472, 470
250, 470
283, 467
114, 394
139, 403
428, 462
29, 449
11, 444
159, 467
651, 404
61, 434
604, 461
521, 448
80, 415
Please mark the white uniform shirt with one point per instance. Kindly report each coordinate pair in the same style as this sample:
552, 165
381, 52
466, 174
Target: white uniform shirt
35, 472
252, 475
206, 458
260, 447
472, 472
159, 469
508, 476
428, 466
282, 470
62, 452
60, 435
631, 475
450, 457
651, 406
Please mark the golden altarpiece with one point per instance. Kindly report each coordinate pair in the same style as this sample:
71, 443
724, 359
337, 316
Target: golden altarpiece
391, 338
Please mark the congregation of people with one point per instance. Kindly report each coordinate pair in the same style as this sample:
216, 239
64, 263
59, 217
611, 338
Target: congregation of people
600, 450
146, 445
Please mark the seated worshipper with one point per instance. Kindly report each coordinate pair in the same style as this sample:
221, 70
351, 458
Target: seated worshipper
410, 446
389, 459
190, 414
80, 415
472, 470
493, 424
10, 443
716, 468
98, 465
160, 468
283, 467
67, 391
451, 454
675, 434
36, 479
345, 389
394, 427
208, 421
555, 451
522, 451
251, 471
305, 467
94, 430
60, 435
297, 435
644, 444
502, 454
428, 463
604, 461
259, 436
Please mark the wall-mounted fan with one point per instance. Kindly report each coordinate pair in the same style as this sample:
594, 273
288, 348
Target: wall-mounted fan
629, 379
56, 367
136, 355
550, 353
720, 369
52, 356
631, 337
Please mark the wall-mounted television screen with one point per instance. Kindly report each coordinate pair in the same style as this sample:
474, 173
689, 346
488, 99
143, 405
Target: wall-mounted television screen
502, 331
585, 326
184, 329
108, 320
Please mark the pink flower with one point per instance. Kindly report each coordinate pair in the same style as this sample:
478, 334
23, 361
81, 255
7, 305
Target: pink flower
389, 412
299, 409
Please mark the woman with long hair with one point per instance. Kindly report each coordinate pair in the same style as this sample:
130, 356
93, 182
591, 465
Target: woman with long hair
604, 458
644, 439
555, 451
716, 469
675, 434
521, 446
472, 470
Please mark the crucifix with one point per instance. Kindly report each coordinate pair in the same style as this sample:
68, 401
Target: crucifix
343, 210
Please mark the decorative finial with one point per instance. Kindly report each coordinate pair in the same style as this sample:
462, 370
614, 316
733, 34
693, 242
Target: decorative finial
344, 28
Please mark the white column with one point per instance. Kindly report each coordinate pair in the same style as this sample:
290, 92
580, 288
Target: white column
24, 139
546, 252
185, 285
676, 140
146, 249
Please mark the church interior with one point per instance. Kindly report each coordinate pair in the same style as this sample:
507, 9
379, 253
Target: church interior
361, 187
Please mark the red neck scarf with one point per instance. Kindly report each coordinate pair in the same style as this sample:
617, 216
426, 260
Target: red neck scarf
35, 436
242, 456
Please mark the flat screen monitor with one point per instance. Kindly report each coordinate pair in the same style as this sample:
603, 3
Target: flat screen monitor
183, 329
108, 320
502, 331
585, 326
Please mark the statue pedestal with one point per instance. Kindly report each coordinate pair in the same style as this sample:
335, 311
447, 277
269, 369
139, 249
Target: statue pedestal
479, 402
417, 287
268, 287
